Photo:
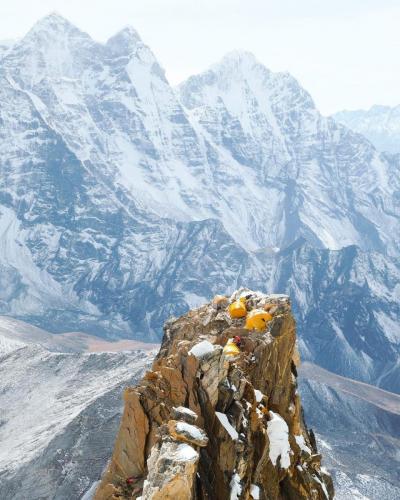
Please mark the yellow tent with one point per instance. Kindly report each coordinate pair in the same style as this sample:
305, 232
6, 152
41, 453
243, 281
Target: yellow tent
238, 308
231, 349
257, 319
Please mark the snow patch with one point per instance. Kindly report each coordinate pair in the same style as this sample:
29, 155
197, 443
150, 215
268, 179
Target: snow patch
259, 395
278, 434
226, 424
322, 486
236, 487
193, 431
202, 349
9, 345
91, 491
302, 444
186, 411
255, 492
390, 327
186, 453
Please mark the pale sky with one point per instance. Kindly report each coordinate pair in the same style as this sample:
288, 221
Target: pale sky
344, 52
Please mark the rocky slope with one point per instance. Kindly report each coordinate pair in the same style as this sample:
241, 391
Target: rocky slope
379, 124
59, 413
204, 424
358, 438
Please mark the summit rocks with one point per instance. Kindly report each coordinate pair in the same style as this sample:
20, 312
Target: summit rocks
202, 425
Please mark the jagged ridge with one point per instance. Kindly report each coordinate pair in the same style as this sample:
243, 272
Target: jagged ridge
256, 445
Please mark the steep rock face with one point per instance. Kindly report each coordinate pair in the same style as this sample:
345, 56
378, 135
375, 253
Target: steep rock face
204, 424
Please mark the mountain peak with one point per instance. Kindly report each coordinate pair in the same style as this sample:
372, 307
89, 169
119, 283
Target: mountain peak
237, 60
239, 56
236, 65
128, 32
53, 24
125, 40
53, 21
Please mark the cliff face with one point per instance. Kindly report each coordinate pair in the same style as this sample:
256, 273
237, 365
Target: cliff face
206, 425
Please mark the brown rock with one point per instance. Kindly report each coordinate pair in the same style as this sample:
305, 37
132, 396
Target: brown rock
158, 441
172, 472
220, 302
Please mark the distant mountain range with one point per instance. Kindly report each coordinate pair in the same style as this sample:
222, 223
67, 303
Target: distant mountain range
379, 124
124, 201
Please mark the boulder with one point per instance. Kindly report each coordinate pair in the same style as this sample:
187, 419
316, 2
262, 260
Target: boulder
185, 414
188, 433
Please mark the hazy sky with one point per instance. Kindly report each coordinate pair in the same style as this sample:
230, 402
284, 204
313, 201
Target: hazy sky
344, 52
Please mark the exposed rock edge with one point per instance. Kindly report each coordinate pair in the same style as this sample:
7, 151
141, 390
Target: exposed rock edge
249, 439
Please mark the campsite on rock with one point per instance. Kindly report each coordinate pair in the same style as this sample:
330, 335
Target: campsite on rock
205, 423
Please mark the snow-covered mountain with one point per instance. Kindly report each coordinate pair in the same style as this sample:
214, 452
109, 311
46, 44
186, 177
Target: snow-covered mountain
59, 413
5, 46
318, 179
124, 201
82, 248
379, 124
241, 125
346, 303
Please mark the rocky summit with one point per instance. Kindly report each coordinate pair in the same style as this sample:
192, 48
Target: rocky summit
212, 421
